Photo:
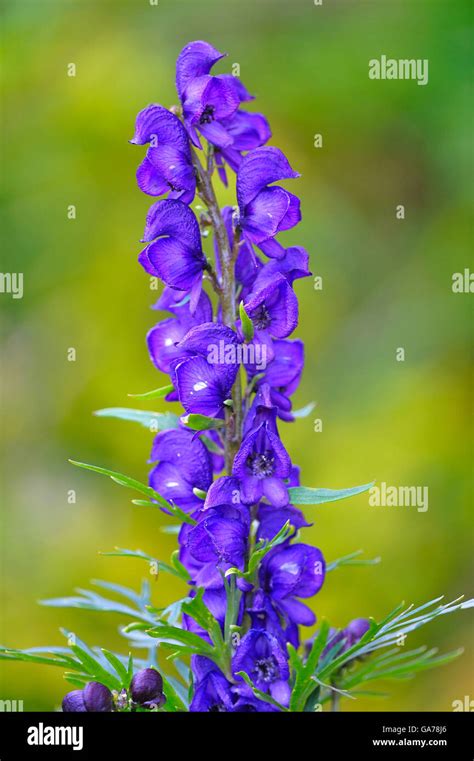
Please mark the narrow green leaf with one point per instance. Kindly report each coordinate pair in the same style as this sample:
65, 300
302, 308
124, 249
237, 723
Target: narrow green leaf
351, 559
124, 553
122, 480
304, 411
202, 422
303, 495
118, 666
154, 421
157, 393
261, 695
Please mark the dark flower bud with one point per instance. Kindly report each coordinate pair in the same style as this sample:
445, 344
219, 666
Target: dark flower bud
97, 698
147, 688
73, 702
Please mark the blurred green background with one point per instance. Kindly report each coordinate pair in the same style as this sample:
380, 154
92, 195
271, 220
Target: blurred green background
387, 284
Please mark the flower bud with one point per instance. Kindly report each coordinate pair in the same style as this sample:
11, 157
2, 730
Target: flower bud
97, 698
147, 688
73, 702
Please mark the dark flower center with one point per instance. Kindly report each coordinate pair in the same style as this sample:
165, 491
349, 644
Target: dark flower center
261, 318
207, 115
261, 465
266, 669
217, 708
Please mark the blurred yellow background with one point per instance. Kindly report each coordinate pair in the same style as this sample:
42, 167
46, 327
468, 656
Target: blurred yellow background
386, 284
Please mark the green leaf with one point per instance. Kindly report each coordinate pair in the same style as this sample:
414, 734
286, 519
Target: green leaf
246, 323
95, 669
351, 559
304, 411
303, 687
122, 480
263, 547
173, 634
154, 421
211, 445
174, 703
261, 695
202, 422
118, 666
303, 495
157, 393
180, 572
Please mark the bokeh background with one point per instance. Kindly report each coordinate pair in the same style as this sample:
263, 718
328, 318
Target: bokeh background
386, 284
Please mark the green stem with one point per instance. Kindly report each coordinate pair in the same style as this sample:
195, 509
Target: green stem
227, 295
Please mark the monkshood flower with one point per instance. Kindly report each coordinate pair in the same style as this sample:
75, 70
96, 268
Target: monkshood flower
266, 616
273, 307
203, 382
283, 374
262, 462
167, 166
294, 571
213, 692
271, 519
265, 209
174, 251
219, 540
162, 340
95, 697
184, 463
209, 102
146, 689
263, 658
248, 131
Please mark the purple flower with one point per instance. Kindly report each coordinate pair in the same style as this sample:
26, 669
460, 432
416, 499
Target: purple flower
265, 209
262, 462
248, 131
262, 657
146, 688
294, 571
265, 615
216, 543
207, 100
272, 519
273, 308
183, 464
174, 251
167, 166
73, 702
283, 374
204, 381
95, 697
162, 340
